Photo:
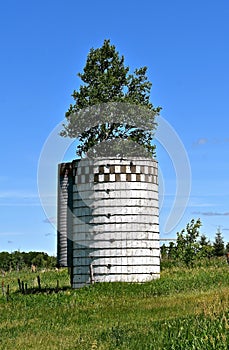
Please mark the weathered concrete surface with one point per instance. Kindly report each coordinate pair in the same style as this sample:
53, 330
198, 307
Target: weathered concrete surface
115, 221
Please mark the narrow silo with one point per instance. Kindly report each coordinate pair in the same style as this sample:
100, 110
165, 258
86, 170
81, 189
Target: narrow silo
115, 228
64, 217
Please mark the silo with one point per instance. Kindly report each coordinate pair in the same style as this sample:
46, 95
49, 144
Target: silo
115, 224
64, 217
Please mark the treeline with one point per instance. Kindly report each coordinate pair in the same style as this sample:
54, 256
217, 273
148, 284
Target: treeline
19, 260
191, 246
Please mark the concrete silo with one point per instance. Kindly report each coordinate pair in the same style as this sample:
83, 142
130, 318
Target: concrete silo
112, 228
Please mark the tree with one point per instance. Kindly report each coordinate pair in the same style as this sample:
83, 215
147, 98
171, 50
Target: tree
181, 245
164, 251
111, 105
172, 251
5, 259
187, 245
218, 244
227, 247
204, 241
206, 250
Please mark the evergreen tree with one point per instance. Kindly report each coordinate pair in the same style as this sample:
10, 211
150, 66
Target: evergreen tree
204, 241
108, 103
164, 251
206, 250
218, 244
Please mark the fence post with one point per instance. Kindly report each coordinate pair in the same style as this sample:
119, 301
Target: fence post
39, 282
22, 287
7, 292
92, 274
19, 284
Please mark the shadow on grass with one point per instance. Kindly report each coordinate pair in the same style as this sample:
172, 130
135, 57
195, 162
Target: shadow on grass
24, 289
46, 290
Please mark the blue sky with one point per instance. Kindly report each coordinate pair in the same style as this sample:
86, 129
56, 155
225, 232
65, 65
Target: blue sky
44, 45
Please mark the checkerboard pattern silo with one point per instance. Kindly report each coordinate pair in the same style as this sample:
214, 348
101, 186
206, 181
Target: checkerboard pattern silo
115, 226
63, 187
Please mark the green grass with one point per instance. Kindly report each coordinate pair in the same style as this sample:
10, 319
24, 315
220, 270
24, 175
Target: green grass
184, 309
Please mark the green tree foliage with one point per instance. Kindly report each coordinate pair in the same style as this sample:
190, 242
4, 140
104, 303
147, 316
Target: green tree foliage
218, 244
5, 259
227, 247
172, 250
186, 248
206, 250
164, 251
39, 260
107, 80
19, 260
187, 245
16, 261
189, 249
204, 241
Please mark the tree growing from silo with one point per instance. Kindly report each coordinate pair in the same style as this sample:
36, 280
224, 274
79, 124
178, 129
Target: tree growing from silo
108, 103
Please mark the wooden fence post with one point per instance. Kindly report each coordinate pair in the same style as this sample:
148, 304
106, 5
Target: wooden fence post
7, 292
22, 287
57, 285
92, 274
39, 282
19, 284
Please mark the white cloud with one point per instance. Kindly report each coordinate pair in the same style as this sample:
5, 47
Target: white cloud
200, 205
203, 141
17, 194
200, 141
19, 198
11, 233
211, 213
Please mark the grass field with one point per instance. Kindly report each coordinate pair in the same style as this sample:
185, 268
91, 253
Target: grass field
184, 309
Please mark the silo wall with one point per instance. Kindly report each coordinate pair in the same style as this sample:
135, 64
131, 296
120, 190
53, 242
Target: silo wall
115, 223
64, 214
